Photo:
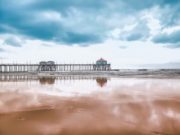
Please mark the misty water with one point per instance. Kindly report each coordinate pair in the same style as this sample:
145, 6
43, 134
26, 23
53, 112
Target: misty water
79, 105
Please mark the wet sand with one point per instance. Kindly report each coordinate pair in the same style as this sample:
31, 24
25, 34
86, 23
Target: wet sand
119, 107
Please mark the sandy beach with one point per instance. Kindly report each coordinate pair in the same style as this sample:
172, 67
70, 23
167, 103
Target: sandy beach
122, 106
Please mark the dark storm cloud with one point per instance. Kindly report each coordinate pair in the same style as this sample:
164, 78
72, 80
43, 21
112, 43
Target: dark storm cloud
80, 21
71, 37
21, 17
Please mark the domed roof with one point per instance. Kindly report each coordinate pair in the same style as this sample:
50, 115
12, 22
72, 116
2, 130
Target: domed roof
46, 62
101, 59
50, 62
42, 62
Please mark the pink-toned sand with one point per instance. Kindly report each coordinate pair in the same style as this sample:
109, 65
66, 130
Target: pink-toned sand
122, 107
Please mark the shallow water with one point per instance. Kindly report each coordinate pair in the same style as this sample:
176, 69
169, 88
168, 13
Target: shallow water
90, 106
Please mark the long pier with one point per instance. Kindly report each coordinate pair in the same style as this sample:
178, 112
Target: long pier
15, 68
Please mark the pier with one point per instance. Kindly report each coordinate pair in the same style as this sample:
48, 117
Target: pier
50, 66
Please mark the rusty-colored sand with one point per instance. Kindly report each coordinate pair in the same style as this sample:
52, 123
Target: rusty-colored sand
136, 109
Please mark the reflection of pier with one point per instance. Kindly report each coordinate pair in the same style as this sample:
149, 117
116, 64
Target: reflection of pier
101, 81
7, 78
100, 65
47, 80
12, 78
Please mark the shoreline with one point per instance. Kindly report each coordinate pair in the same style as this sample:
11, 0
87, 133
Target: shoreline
122, 73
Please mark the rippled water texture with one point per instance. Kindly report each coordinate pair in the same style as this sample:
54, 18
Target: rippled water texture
96, 106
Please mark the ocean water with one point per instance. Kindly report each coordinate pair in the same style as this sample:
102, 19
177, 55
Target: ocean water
87, 105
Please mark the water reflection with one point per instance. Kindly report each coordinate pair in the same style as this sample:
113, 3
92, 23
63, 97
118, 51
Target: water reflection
125, 106
44, 114
47, 80
50, 80
101, 81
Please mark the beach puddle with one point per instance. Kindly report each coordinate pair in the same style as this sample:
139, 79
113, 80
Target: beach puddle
90, 106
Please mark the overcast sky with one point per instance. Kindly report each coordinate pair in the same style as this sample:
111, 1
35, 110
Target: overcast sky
127, 33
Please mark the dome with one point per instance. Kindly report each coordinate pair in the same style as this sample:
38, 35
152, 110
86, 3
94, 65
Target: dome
101, 61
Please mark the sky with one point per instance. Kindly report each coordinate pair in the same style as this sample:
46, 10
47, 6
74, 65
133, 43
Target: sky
127, 33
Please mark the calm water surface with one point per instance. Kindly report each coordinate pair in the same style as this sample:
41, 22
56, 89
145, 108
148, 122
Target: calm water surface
90, 106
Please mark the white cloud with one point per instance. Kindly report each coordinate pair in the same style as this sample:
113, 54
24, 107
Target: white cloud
48, 16
117, 32
153, 21
135, 53
171, 29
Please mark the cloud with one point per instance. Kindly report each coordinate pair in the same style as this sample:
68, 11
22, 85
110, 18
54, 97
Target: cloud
167, 38
141, 31
132, 32
71, 38
12, 41
169, 14
79, 22
2, 50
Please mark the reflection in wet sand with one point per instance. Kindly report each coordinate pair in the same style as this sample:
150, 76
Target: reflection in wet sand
130, 107
47, 80
101, 81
